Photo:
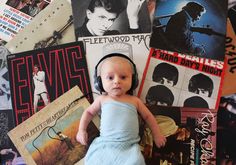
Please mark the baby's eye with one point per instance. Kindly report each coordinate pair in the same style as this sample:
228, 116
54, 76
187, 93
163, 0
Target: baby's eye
123, 77
110, 77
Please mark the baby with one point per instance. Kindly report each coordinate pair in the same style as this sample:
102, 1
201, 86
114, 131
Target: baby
119, 129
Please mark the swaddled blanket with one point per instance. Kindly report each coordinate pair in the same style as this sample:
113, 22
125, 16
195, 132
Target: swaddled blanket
118, 140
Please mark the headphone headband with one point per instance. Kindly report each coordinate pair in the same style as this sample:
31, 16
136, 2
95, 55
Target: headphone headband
113, 55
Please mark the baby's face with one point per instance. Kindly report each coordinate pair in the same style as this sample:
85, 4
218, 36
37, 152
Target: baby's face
116, 74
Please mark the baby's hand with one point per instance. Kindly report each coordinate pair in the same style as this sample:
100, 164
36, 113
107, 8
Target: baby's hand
82, 137
160, 141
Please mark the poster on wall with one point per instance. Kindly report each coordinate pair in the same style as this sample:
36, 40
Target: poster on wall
190, 134
174, 79
38, 77
48, 137
190, 27
16, 14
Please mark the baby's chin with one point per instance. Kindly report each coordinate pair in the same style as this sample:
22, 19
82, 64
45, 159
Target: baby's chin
117, 92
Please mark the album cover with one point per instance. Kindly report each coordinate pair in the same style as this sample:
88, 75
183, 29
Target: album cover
174, 79
52, 26
48, 137
190, 134
134, 46
112, 17
5, 95
16, 14
229, 86
6, 124
232, 13
226, 130
190, 27
38, 77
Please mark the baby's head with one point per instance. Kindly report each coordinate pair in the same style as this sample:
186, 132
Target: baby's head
117, 75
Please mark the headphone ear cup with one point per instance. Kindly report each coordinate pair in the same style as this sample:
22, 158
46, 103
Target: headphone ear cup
98, 84
135, 81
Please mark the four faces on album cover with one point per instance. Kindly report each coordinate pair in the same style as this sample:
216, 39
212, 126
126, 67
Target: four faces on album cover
171, 85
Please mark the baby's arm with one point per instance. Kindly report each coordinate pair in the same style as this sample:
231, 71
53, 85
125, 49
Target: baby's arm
87, 116
147, 116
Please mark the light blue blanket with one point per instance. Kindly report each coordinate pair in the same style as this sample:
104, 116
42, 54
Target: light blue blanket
118, 141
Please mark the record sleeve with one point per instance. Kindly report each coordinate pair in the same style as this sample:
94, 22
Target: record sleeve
174, 79
58, 69
190, 134
48, 137
191, 27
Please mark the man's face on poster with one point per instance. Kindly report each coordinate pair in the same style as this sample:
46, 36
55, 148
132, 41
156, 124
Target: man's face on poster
166, 81
36, 69
156, 102
203, 92
100, 21
196, 15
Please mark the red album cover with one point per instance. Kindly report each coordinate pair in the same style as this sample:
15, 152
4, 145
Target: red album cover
190, 134
191, 27
174, 79
38, 77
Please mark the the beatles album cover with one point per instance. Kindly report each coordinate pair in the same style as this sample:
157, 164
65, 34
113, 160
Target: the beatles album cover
190, 27
190, 134
38, 77
48, 137
110, 17
174, 79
